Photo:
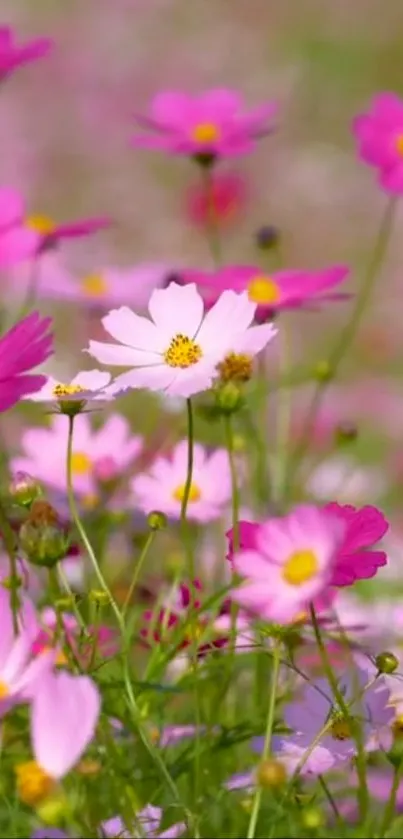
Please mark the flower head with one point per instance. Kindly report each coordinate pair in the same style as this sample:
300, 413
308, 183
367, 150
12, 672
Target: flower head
225, 198
212, 125
270, 292
178, 350
23, 347
150, 820
379, 136
290, 563
364, 528
18, 242
13, 55
89, 386
163, 486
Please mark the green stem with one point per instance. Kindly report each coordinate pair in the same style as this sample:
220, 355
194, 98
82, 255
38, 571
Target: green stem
348, 333
390, 808
213, 238
10, 546
283, 418
229, 439
267, 740
137, 570
331, 800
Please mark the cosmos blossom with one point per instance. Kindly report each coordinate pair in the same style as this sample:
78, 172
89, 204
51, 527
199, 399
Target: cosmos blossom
13, 55
22, 348
379, 136
88, 386
178, 350
213, 125
150, 820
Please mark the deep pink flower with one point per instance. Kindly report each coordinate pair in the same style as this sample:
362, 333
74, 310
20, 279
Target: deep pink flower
224, 200
23, 347
279, 290
379, 135
13, 56
364, 528
51, 233
212, 125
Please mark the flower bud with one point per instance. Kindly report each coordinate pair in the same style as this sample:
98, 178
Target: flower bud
386, 662
346, 432
271, 774
229, 398
312, 818
101, 598
157, 520
267, 237
43, 544
323, 372
23, 489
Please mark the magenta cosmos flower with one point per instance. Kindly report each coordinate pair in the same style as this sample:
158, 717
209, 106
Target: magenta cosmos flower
23, 347
379, 135
206, 127
13, 55
178, 350
290, 564
364, 528
163, 486
270, 292
149, 819
45, 452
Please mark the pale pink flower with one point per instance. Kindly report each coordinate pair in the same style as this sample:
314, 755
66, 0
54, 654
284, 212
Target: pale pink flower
45, 451
88, 386
291, 564
64, 715
163, 486
18, 242
178, 350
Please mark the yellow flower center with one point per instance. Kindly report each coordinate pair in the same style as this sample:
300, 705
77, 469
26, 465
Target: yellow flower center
182, 352
41, 224
94, 285
398, 726
341, 728
205, 132
80, 463
263, 290
33, 784
61, 391
300, 567
235, 368
4, 690
399, 144
194, 493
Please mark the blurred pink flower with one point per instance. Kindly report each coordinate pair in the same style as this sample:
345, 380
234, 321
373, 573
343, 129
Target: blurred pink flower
18, 241
214, 124
23, 347
280, 290
13, 56
64, 715
163, 486
364, 528
51, 233
379, 136
178, 350
290, 563
48, 638
45, 451
88, 386
224, 200
150, 820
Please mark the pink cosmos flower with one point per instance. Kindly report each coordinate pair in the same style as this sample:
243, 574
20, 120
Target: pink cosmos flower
178, 350
226, 198
150, 820
18, 241
46, 639
23, 347
379, 136
364, 528
64, 715
212, 125
291, 563
13, 56
45, 452
270, 292
88, 386
163, 486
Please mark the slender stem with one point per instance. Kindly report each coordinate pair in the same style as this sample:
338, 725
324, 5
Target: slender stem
213, 238
390, 808
348, 333
229, 439
10, 546
267, 740
330, 799
137, 570
283, 417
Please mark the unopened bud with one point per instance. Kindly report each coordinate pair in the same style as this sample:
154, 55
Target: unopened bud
12, 583
271, 773
157, 520
386, 662
229, 398
23, 489
346, 432
44, 545
42, 513
101, 598
267, 237
312, 818
323, 372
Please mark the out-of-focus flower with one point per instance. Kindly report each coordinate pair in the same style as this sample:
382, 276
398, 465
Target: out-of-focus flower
290, 563
364, 528
212, 125
45, 451
103, 638
18, 241
367, 707
163, 486
13, 55
379, 136
270, 293
346, 479
49, 833
179, 349
149, 818
220, 203
88, 386
51, 233
23, 347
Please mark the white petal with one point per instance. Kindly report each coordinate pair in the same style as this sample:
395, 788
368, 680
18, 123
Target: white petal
232, 314
176, 309
131, 329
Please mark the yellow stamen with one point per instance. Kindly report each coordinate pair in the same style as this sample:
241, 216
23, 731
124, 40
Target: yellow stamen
397, 726
33, 784
399, 144
341, 729
80, 463
182, 352
61, 390
4, 690
263, 290
236, 367
205, 132
41, 224
94, 285
194, 493
300, 567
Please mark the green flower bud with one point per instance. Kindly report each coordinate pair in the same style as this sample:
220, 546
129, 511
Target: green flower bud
229, 398
312, 818
44, 545
323, 372
23, 490
345, 433
386, 662
157, 520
